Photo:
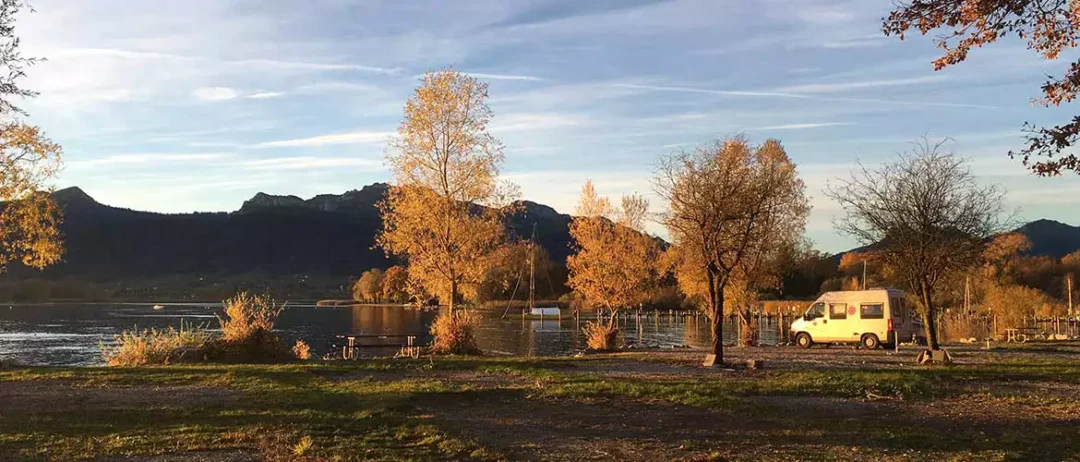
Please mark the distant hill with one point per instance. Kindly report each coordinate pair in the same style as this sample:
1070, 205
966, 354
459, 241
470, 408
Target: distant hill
1048, 238
328, 235
1051, 238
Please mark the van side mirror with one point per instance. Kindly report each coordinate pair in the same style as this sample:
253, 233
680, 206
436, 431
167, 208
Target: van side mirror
808, 316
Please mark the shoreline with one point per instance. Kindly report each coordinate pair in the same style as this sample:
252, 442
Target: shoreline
643, 405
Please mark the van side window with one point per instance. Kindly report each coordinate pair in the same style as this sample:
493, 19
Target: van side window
872, 311
817, 311
838, 311
896, 307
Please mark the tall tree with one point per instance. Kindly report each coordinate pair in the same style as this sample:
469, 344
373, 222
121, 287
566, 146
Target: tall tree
29, 219
445, 214
369, 288
926, 217
614, 265
1049, 26
730, 204
11, 59
395, 285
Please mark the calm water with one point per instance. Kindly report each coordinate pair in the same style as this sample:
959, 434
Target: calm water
70, 334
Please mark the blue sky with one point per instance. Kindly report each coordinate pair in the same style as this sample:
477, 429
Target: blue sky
198, 105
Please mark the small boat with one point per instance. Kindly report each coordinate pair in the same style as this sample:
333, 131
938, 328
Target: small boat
552, 312
532, 312
158, 307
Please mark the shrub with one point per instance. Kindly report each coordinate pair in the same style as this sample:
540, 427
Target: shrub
157, 346
301, 350
454, 334
601, 336
247, 316
247, 331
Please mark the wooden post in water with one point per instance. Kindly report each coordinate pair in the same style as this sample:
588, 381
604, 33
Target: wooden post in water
780, 328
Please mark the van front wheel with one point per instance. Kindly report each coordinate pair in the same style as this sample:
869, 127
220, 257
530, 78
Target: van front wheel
870, 342
803, 340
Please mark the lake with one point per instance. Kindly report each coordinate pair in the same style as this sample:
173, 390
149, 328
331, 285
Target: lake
69, 334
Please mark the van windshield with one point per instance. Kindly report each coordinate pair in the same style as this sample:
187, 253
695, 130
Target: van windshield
816, 311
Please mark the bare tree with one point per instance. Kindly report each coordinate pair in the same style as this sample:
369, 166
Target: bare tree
925, 216
730, 205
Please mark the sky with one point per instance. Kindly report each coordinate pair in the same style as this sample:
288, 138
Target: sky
198, 105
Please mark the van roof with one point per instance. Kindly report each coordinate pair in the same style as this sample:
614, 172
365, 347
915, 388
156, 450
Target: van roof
867, 291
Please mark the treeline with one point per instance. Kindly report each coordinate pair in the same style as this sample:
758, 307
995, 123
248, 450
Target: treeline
1005, 283
803, 275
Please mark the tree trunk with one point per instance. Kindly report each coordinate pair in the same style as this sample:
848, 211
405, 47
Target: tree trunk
929, 318
453, 292
716, 308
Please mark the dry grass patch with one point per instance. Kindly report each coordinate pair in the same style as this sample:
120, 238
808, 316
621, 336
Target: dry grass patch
157, 346
601, 336
454, 333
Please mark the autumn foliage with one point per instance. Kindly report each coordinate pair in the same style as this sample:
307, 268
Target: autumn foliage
445, 215
454, 333
732, 207
1049, 27
29, 218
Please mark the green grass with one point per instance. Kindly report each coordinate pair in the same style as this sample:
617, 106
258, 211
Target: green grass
372, 409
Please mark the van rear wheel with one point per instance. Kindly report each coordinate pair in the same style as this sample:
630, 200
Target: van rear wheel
870, 342
803, 340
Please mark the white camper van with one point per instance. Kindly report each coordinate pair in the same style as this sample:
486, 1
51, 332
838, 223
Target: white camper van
870, 317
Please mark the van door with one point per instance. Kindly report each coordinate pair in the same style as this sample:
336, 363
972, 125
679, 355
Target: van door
838, 327
899, 319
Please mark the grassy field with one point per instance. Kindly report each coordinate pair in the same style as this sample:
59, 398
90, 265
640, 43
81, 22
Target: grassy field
820, 404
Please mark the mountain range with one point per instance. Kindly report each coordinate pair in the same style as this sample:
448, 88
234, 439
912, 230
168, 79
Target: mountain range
328, 235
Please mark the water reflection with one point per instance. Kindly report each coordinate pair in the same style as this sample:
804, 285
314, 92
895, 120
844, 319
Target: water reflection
70, 334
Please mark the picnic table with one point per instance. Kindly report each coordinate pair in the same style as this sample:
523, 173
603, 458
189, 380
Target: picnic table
1022, 334
354, 342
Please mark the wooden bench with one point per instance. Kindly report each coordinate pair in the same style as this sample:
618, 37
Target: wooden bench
407, 345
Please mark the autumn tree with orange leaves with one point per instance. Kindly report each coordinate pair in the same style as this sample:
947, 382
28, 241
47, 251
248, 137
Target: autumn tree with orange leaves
1050, 28
731, 205
29, 161
614, 265
444, 216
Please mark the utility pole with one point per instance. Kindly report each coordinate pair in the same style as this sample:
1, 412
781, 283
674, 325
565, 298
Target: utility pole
532, 267
864, 274
1068, 280
967, 294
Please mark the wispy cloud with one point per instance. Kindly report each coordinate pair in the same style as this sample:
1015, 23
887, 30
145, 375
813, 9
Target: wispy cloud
310, 162
536, 121
256, 62
362, 137
859, 85
865, 41
805, 126
529, 78
808, 96
214, 93
149, 158
550, 12
266, 95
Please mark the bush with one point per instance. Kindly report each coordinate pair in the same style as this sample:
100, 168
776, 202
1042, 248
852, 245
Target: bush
301, 350
247, 331
601, 336
454, 334
157, 346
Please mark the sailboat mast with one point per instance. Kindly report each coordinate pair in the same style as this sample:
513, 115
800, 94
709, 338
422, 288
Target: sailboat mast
532, 266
